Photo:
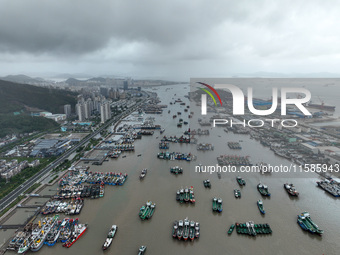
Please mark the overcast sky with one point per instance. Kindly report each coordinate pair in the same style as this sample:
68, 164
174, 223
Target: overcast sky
169, 39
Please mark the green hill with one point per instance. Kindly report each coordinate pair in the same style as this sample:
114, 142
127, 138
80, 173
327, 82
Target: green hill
10, 124
16, 97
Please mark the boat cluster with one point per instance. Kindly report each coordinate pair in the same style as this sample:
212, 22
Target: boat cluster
197, 132
233, 160
205, 147
252, 229
186, 230
145, 132
123, 147
234, 145
70, 208
175, 139
186, 195
49, 231
114, 154
175, 156
217, 204
147, 210
77, 177
176, 170
164, 145
91, 191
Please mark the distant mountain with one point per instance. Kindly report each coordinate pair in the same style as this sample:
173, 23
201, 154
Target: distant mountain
286, 75
20, 78
17, 97
97, 79
73, 81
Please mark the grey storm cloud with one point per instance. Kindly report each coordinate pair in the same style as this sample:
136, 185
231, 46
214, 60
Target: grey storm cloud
84, 26
165, 37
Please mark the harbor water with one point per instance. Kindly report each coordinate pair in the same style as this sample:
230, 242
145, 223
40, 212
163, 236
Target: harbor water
120, 204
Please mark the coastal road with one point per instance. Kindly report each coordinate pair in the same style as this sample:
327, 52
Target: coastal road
6, 201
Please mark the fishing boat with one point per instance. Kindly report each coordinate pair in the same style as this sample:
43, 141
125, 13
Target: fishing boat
175, 229
143, 174
186, 195
306, 223
53, 235
207, 183
142, 250
191, 195
240, 181
151, 211
48, 224
178, 195
144, 210
79, 230
186, 229
197, 229
180, 229
176, 170
25, 246
219, 205
263, 189
231, 229
260, 206
192, 231
291, 189
110, 237
214, 204
181, 195
236, 193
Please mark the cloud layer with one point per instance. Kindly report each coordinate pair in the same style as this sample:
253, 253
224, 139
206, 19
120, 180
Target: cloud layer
169, 38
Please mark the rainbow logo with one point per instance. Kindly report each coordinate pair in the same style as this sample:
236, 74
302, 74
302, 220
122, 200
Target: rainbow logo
209, 93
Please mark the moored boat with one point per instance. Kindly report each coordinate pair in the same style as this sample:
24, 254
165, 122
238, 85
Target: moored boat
231, 229
219, 205
175, 229
214, 204
186, 229
192, 230
180, 229
79, 230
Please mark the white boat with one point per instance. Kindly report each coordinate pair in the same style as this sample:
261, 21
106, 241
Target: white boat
110, 237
